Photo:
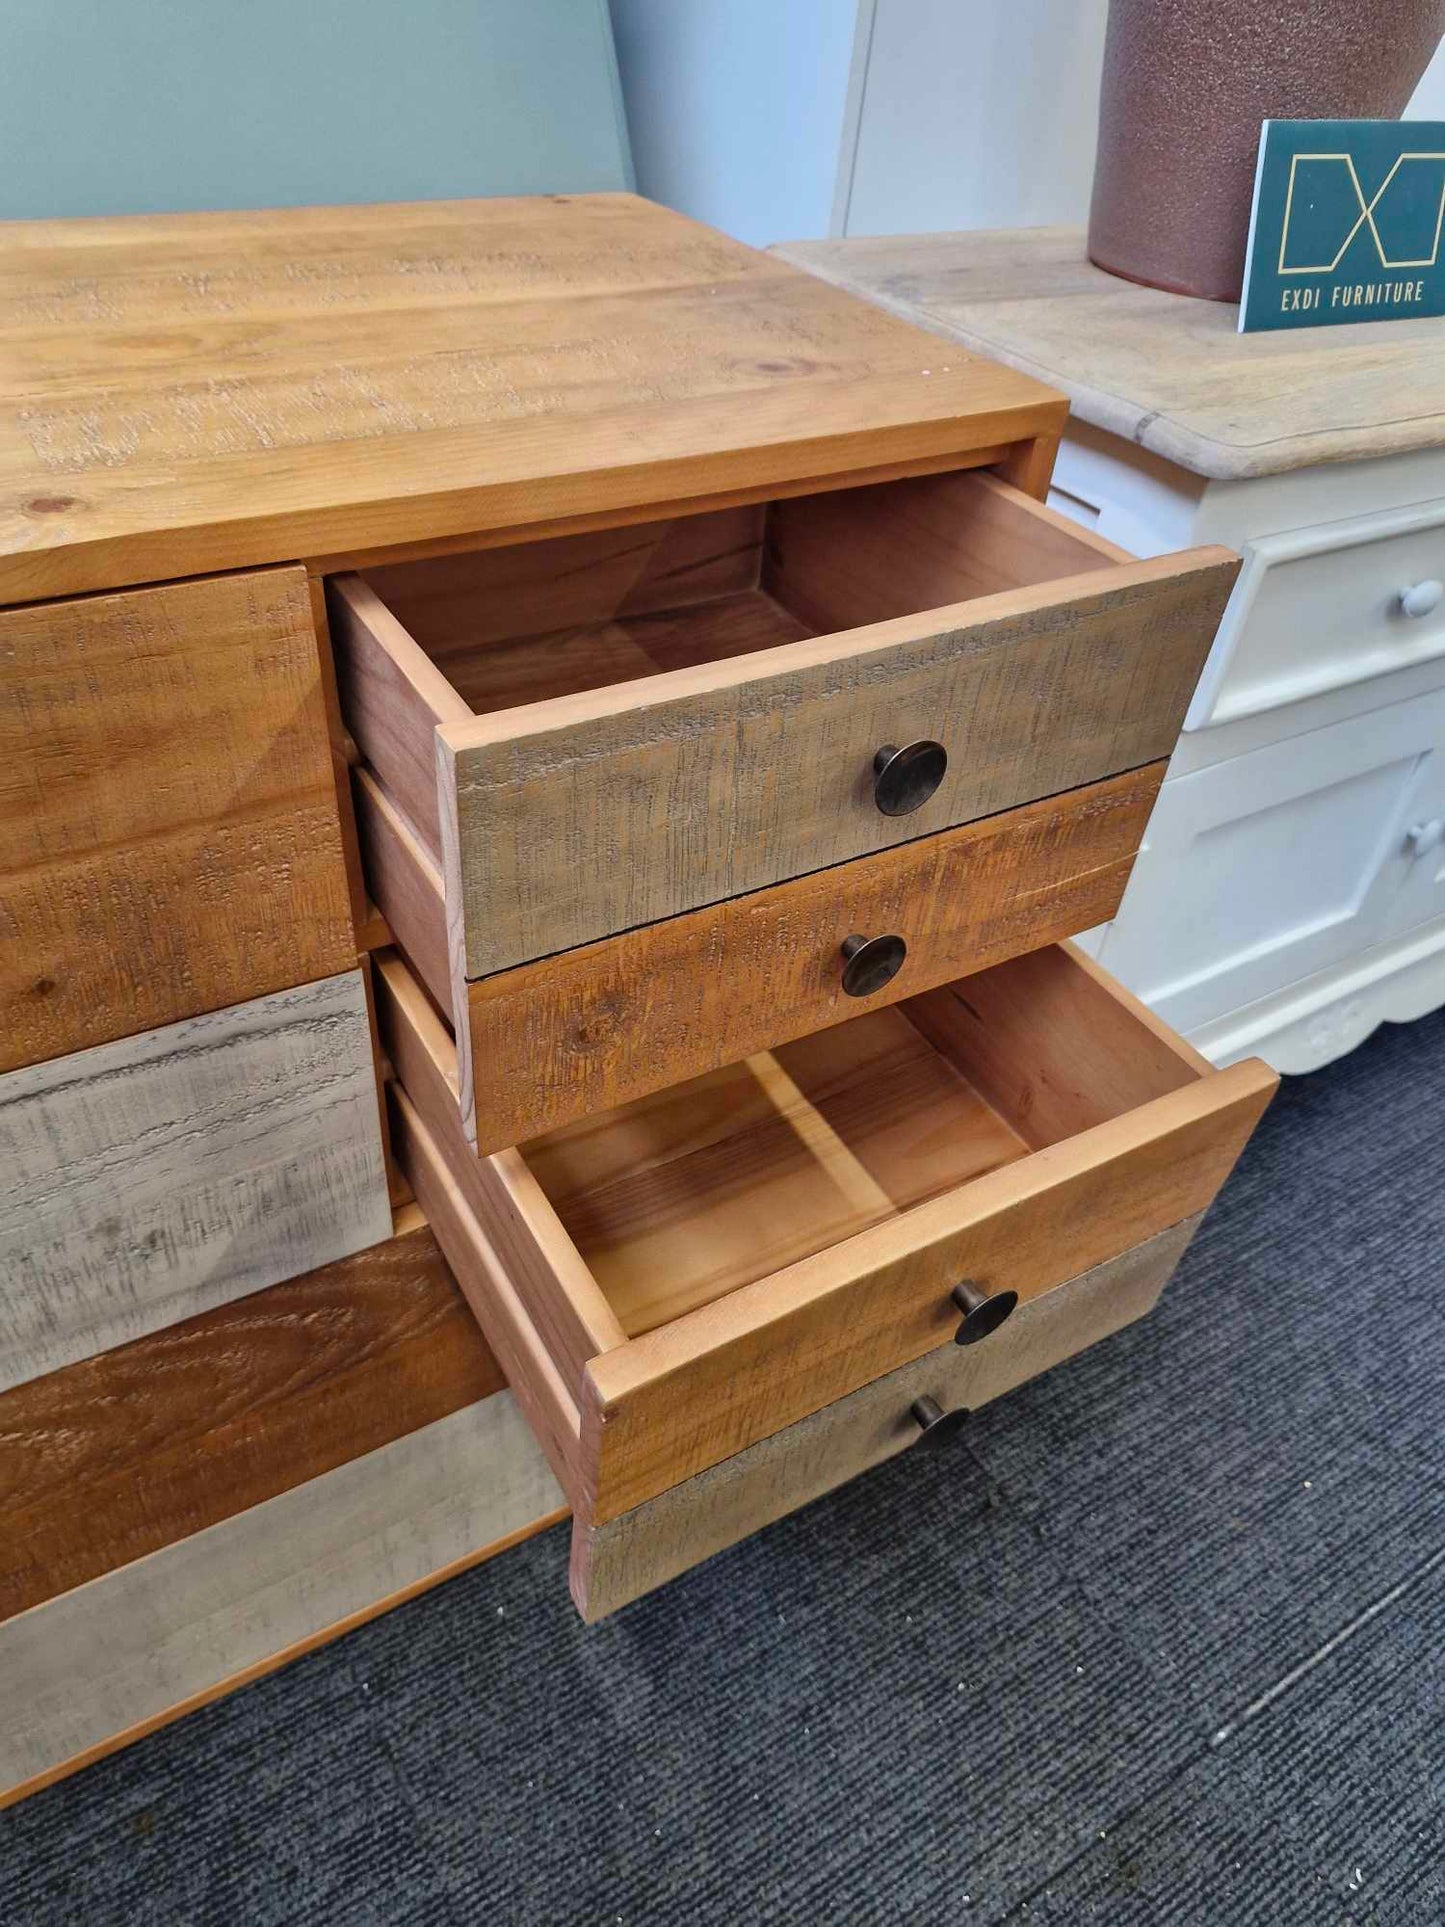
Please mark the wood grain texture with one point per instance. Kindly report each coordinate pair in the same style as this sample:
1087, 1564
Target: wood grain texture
405, 881
469, 602
1056, 1043
193, 393
499, 1307
392, 699
1028, 465
169, 841
589, 814
598, 1026
533, 1247
687, 1194
114, 1456
640, 1550
113, 1659
151, 1179
864, 555
1168, 374
694, 1392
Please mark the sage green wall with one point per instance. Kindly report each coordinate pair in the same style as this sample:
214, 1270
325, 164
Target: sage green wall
132, 106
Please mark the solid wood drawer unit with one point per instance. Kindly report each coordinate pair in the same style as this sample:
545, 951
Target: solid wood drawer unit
702, 1268
571, 739
169, 841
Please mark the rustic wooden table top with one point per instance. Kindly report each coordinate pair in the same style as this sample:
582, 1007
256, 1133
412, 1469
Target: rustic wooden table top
194, 392
1158, 369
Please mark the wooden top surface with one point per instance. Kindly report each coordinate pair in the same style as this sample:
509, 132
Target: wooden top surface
1159, 369
194, 392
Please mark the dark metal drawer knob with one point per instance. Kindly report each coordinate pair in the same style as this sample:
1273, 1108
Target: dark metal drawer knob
935, 1425
982, 1314
904, 779
871, 962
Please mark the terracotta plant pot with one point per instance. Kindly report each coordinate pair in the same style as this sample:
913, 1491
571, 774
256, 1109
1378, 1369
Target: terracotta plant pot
1186, 85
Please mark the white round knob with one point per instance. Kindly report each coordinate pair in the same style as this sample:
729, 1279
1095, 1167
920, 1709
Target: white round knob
1421, 838
1421, 598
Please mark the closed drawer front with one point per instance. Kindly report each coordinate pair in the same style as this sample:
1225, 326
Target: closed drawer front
1321, 608
169, 840
150, 1442
557, 1040
154, 1178
596, 733
1268, 867
706, 1266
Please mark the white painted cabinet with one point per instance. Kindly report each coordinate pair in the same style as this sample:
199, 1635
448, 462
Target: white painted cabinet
1291, 892
1264, 869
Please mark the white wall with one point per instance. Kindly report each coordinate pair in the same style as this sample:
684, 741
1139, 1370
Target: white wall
788, 119
977, 114
1428, 100
736, 108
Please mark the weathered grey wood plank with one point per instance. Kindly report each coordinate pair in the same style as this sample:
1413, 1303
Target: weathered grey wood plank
126, 1650
630, 1555
149, 1179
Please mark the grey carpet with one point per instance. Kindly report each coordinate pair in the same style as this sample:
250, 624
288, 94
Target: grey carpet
1161, 1643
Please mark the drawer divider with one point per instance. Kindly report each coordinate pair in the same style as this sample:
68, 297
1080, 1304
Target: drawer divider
846, 1170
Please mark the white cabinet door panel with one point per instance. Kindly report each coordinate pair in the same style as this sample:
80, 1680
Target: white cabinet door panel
1258, 871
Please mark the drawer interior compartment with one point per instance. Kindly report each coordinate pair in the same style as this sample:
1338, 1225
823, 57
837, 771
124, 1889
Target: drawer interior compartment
586, 735
678, 1198
712, 1263
517, 625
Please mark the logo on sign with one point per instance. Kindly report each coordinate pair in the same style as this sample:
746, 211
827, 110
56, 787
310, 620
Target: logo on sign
1325, 209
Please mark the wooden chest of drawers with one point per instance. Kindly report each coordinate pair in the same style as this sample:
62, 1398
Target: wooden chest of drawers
679, 738
629, 700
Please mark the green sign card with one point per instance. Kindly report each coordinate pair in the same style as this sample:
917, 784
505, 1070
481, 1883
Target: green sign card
1346, 223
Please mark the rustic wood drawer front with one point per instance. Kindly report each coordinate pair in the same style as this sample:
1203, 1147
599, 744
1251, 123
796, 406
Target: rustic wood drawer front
557, 1040
169, 841
152, 1441
151, 1179
710, 1264
630, 1555
602, 731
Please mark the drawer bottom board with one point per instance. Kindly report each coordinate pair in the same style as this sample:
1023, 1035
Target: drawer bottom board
628, 1556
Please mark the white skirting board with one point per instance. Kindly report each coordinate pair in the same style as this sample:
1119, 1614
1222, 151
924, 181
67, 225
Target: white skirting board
1312, 1023
103, 1664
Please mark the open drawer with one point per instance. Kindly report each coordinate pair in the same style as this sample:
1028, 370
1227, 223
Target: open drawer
568, 739
554, 1041
703, 1268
